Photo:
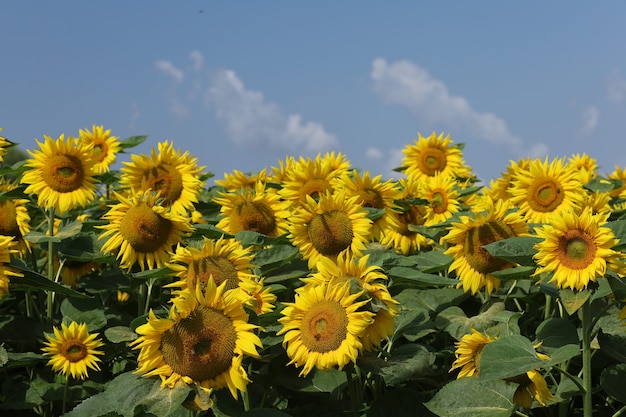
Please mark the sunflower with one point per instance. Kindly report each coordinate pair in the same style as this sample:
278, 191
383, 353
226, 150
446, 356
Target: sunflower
618, 174
323, 327
4, 144
585, 166
429, 155
442, 197
258, 210
256, 296
531, 383
223, 260
73, 350
279, 173
14, 217
398, 235
368, 279
141, 231
202, 341
545, 189
105, 147
499, 189
373, 193
472, 263
174, 175
307, 178
330, 226
575, 248
72, 270
338, 162
7, 249
238, 180
60, 174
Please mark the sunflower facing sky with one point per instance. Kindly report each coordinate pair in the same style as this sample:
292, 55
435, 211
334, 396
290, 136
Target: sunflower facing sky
203, 341
141, 231
531, 384
330, 226
472, 263
222, 260
323, 327
61, 175
73, 349
545, 189
238, 180
575, 248
443, 199
430, 155
105, 147
175, 175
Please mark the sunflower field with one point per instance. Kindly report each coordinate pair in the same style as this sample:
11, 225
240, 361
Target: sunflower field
309, 288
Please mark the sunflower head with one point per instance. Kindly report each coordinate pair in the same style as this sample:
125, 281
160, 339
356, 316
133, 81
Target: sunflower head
4, 144
7, 250
238, 180
14, 217
104, 147
430, 155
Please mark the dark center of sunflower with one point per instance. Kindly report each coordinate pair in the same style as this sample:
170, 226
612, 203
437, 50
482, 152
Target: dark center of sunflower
433, 160
324, 326
220, 268
167, 180
8, 219
371, 198
144, 229
99, 152
63, 173
415, 215
439, 202
577, 250
200, 346
545, 195
255, 216
478, 257
73, 350
313, 187
331, 232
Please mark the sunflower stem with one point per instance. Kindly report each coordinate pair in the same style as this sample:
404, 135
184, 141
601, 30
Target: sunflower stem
141, 299
50, 300
67, 383
620, 412
586, 331
547, 312
246, 400
352, 390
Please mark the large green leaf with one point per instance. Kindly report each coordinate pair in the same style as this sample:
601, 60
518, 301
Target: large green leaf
573, 300
33, 280
612, 380
436, 300
471, 397
619, 230
518, 250
66, 230
406, 362
80, 310
555, 333
508, 357
418, 278
128, 391
132, 141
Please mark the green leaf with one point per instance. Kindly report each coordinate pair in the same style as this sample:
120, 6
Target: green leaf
555, 333
471, 396
83, 248
419, 278
509, 319
328, 381
210, 231
618, 286
119, 334
413, 324
433, 261
128, 391
508, 357
250, 238
573, 300
80, 310
515, 273
66, 230
562, 354
619, 230
518, 250
14, 194
437, 299
132, 141
23, 359
612, 381
407, 362
275, 256
162, 272
33, 280
614, 345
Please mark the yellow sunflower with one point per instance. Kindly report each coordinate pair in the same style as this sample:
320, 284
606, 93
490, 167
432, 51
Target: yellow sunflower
531, 383
575, 248
4, 144
371, 280
338, 162
238, 180
429, 155
397, 235
141, 231
373, 193
174, 175
323, 327
72, 270
585, 166
443, 198
203, 341
472, 263
618, 174
279, 173
330, 226
7, 249
61, 174
499, 188
73, 349
259, 210
256, 296
545, 189
223, 260
14, 217
105, 147
307, 178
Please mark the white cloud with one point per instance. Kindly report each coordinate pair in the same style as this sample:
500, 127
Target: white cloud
198, 60
616, 88
170, 69
373, 153
251, 119
538, 150
134, 116
429, 100
590, 119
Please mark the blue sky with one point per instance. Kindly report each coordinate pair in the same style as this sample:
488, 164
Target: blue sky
241, 85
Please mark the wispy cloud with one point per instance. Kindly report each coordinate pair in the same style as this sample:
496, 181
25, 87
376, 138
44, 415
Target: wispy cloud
252, 120
170, 69
616, 87
590, 118
373, 153
388, 161
429, 100
198, 60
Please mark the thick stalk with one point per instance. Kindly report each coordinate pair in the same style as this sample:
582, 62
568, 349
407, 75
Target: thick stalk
50, 301
586, 330
67, 383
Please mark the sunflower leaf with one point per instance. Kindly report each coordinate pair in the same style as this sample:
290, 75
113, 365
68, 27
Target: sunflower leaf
519, 249
132, 141
419, 278
573, 300
515, 273
619, 230
508, 357
612, 380
33, 280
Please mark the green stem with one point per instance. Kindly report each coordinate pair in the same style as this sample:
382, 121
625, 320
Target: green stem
50, 301
67, 383
586, 331
620, 412
352, 390
148, 295
246, 400
141, 299
547, 312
